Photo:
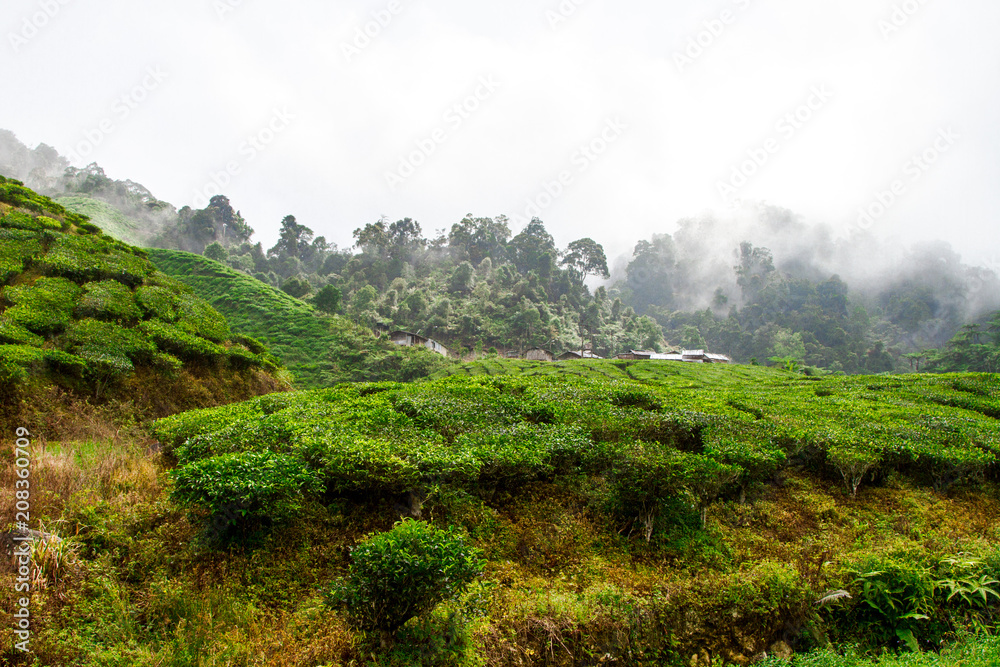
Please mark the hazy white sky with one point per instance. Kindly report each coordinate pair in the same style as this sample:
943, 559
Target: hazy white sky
614, 119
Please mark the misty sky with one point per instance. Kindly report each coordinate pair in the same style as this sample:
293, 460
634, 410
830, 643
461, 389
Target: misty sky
615, 119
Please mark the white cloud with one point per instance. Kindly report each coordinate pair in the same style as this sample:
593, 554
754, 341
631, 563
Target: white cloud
687, 129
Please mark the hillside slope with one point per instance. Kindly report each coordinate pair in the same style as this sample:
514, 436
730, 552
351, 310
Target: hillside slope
320, 350
91, 315
111, 221
633, 513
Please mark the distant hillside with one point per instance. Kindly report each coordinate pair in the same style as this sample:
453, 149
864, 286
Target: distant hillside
111, 221
91, 315
320, 350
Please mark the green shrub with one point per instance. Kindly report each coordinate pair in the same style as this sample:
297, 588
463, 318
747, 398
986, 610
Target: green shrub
158, 302
756, 461
635, 396
93, 338
174, 430
13, 334
404, 573
65, 363
200, 319
22, 355
251, 344
167, 362
14, 192
20, 220
44, 307
85, 259
641, 478
108, 300
854, 462
241, 358
248, 486
894, 600
174, 340
15, 251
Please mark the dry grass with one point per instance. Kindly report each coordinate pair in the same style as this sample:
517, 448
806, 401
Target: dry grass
88, 471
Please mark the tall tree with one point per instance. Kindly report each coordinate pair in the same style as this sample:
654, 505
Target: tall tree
478, 238
585, 257
293, 239
527, 248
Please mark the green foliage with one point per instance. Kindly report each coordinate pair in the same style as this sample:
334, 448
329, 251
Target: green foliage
84, 259
86, 307
93, 339
402, 574
158, 302
16, 248
175, 340
14, 334
319, 351
854, 462
19, 220
108, 300
895, 600
200, 319
44, 307
215, 251
328, 300
244, 487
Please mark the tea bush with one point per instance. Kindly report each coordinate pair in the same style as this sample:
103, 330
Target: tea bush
16, 250
175, 340
108, 300
158, 302
92, 338
13, 334
198, 318
402, 574
44, 307
90, 258
244, 487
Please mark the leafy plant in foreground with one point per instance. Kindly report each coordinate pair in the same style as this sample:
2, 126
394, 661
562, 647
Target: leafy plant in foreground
403, 573
246, 486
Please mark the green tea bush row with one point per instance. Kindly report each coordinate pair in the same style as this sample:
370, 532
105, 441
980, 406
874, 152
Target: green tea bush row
245, 486
108, 300
170, 338
90, 258
15, 193
44, 307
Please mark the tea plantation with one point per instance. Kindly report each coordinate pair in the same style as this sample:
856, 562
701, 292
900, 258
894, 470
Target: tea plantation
494, 513
318, 349
646, 512
91, 314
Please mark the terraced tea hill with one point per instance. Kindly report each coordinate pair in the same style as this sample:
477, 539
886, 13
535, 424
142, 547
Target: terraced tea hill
644, 454
89, 312
320, 350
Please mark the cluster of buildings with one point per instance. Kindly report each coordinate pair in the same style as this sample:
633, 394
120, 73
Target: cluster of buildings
689, 356
539, 354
